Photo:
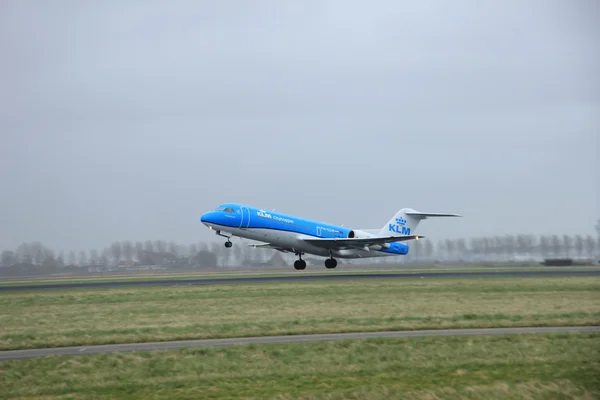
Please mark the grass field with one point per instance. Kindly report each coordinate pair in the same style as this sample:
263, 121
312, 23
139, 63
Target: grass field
100, 316
556, 366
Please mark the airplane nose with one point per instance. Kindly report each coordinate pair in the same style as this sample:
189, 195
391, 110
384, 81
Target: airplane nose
210, 217
204, 218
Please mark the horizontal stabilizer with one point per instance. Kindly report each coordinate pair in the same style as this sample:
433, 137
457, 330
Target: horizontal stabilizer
423, 215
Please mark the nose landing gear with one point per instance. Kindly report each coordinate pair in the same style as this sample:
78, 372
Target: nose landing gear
228, 243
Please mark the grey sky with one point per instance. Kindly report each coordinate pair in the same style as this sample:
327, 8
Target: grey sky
127, 120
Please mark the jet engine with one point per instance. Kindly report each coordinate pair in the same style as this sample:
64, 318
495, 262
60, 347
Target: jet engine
358, 234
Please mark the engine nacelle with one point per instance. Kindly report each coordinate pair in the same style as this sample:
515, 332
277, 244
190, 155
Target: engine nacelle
358, 234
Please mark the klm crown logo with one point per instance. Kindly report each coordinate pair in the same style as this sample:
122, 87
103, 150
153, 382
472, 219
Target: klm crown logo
399, 227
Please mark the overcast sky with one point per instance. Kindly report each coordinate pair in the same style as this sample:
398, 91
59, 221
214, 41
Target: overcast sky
128, 119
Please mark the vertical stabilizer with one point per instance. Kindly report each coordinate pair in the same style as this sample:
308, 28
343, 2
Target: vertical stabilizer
406, 220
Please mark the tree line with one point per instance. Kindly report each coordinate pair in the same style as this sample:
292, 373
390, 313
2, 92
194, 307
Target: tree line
160, 252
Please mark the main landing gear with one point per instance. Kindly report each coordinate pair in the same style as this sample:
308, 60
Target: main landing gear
330, 263
299, 264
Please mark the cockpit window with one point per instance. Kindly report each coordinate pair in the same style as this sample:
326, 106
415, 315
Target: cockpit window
229, 210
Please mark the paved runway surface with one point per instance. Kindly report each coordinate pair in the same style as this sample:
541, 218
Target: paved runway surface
300, 278
149, 346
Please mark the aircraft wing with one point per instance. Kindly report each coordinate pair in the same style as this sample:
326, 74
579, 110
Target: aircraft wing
270, 246
345, 243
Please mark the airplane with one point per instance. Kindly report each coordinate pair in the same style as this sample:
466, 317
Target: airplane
292, 234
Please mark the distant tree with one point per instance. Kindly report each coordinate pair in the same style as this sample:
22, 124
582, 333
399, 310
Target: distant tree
598, 227
462, 252
127, 250
139, 250
105, 256
428, 250
567, 245
589, 246
544, 246
172, 248
499, 249
83, 260
416, 248
450, 249
205, 259
489, 247
160, 246
521, 245
60, 260
578, 246
217, 250
226, 256
193, 250
510, 246
71, 260
531, 244
556, 246
94, 257
24, 254
247, 254
236, 255
441, 253
116, 252
49, 261
37, 253
8, 258
475, 248
148, 246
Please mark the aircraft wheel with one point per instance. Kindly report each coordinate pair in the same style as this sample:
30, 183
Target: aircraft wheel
228, 244
300, 264
330, 263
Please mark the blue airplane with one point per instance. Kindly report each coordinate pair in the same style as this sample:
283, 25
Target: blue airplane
292, 234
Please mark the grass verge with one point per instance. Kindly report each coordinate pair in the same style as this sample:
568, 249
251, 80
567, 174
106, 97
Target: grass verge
499, 367
104, 316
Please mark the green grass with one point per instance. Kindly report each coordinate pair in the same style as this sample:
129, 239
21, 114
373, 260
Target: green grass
101, 316
552, 366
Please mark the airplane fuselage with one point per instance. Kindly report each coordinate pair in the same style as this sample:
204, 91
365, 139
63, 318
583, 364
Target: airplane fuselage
286, 232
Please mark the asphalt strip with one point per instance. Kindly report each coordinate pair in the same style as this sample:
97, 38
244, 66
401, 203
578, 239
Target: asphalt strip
173, 345
298, 277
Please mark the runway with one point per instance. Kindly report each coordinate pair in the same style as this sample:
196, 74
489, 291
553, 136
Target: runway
153, 346
298, 277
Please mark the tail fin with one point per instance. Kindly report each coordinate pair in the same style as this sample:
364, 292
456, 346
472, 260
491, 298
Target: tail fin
406, 220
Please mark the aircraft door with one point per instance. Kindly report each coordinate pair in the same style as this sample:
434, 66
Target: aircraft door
319, 231
245, 220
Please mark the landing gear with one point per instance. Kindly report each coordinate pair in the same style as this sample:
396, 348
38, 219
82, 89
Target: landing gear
228, 243
299, 264
330, 263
